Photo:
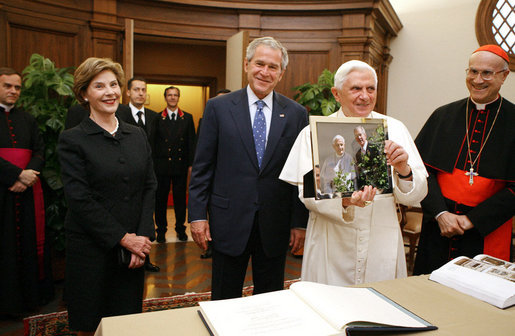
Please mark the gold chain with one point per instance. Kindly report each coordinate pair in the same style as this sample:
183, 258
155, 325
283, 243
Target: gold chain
472, 163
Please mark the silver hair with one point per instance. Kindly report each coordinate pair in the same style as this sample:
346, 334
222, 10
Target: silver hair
346, 68
506, 66
338, 137
361, 128
269, 42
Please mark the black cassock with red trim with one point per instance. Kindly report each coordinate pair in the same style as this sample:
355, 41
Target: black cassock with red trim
485, 194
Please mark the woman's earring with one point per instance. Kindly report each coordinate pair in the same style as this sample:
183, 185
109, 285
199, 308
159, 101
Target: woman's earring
86, 99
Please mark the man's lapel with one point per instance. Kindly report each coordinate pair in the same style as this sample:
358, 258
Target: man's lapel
277, 125
129, 117
147, 120
164, 125
241, 115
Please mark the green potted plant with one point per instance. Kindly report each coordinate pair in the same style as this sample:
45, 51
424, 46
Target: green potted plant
374, 168
46, 94
317, 97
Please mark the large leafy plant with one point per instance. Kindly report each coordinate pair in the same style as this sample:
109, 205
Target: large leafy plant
373, 168
47, 93
317, 97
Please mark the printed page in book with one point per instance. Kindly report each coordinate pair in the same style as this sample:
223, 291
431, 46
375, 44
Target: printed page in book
341, 306
308, 309
271, 314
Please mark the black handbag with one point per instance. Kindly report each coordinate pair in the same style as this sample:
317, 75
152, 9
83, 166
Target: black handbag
124, 256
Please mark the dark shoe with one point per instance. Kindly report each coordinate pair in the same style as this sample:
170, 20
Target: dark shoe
182, 236
207, 254
161, 238
151, 267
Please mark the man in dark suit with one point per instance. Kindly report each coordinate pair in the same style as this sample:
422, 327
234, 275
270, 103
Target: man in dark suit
365, 150
361, 138
245, 140
135, 113
209, 252
173, 148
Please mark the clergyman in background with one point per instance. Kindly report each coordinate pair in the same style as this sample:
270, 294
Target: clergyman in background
26, 280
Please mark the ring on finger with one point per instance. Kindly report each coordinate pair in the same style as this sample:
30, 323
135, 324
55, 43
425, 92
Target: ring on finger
368, 203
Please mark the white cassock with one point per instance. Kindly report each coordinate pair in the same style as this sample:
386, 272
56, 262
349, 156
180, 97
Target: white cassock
333, 164
355, 245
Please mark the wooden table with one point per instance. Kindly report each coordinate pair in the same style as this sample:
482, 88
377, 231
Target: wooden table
451, 311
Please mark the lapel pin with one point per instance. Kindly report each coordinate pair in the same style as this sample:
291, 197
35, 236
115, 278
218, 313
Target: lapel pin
281, 115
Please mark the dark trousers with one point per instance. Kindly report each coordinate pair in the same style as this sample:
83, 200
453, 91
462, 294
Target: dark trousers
228, 274
178, 183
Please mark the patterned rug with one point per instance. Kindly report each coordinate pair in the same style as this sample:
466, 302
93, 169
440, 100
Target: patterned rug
56, 324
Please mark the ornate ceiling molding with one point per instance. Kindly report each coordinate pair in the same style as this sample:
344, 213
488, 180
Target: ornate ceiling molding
291, 5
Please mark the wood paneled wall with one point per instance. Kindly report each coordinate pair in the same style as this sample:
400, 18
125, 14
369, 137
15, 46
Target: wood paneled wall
187, 38
189, 64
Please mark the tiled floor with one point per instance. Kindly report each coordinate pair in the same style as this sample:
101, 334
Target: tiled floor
182, 271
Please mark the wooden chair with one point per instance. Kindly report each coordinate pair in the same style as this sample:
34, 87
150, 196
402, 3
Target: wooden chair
410, 220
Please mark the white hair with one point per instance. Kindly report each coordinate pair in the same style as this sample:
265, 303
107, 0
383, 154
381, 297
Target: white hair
360, 128
346, 68
338, 137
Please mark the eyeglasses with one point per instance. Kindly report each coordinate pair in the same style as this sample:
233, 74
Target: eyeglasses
485, 74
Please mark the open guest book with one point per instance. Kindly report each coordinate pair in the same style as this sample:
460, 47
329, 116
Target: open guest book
308, 309
483, 277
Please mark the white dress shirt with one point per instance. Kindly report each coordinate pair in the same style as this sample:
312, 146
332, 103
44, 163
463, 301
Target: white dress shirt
267, 109
170, 113
135, 111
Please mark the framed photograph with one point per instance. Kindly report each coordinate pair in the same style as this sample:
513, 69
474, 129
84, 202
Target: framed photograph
348, 154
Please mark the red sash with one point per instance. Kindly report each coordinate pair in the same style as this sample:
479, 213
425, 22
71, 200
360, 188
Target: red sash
20, 157
456, 187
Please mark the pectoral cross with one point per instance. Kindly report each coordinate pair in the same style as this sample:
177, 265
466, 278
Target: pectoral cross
471, 175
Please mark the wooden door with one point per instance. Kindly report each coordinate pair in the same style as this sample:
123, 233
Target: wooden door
235, 77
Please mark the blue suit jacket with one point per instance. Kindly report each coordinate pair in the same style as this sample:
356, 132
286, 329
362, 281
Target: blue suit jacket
227, 182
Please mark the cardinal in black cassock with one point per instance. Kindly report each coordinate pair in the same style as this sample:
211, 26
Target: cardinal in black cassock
468, 147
